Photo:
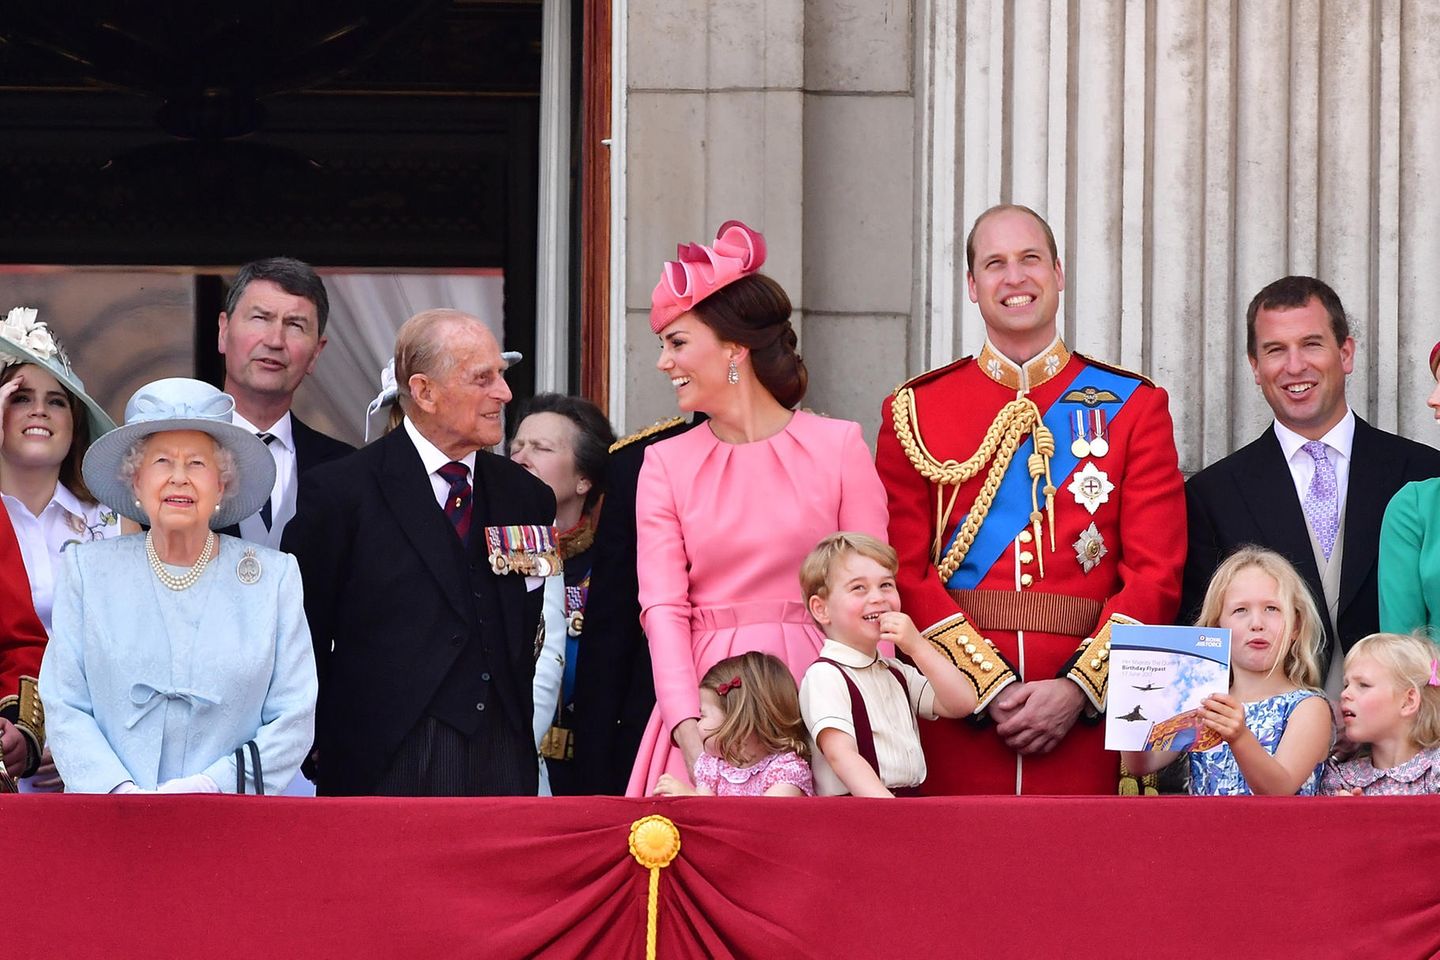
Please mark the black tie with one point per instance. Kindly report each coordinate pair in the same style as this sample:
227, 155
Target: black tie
266, 438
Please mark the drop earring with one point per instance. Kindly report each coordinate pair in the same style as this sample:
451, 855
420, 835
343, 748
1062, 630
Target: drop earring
733, 377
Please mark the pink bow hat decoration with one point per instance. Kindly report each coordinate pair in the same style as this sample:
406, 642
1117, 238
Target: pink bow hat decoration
700, 270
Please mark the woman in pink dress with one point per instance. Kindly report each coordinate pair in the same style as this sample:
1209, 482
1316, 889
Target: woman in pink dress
726, 512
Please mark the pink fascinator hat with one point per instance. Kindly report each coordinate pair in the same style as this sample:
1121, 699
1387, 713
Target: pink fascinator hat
1434, 354
699, 271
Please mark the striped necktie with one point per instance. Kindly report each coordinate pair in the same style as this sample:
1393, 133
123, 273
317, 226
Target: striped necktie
460, 499
265, 515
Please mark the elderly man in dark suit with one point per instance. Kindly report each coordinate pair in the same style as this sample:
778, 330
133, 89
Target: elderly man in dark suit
426, 645
1313, 487
272, 332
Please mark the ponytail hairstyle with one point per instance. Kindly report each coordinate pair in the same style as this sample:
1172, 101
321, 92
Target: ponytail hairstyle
761, 700
754, 312
1413, 663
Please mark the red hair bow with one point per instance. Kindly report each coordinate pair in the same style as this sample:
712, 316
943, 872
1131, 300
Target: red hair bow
700, 270
727, 686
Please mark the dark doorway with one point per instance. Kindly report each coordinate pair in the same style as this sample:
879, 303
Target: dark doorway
348, 134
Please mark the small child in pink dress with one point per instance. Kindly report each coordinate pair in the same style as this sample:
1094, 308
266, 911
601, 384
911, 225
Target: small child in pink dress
755, 742
1391, 708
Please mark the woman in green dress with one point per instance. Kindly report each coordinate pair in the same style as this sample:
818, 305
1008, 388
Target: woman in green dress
1409, 572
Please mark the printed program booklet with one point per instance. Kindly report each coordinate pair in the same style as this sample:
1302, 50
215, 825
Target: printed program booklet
1158, 678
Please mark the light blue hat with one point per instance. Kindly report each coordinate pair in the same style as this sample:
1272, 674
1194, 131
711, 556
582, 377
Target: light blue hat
179, 403
25, 339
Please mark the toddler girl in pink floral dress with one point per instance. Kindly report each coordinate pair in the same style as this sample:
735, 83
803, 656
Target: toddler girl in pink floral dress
1391, 710
755, 740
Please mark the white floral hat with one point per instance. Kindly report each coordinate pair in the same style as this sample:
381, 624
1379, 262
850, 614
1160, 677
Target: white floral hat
24, 339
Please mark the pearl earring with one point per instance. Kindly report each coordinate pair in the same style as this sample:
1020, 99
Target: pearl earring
734, 375
137, 503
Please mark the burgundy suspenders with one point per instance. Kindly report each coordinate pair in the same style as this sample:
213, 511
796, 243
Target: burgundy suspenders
864, 734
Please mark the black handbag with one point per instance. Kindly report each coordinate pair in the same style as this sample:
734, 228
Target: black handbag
254, 763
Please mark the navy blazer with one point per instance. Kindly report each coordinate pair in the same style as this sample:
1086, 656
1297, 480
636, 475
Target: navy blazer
389, 597
1249, 498
614, 686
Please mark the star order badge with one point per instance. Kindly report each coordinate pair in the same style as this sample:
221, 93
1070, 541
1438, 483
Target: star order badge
1090, 547
1091, 487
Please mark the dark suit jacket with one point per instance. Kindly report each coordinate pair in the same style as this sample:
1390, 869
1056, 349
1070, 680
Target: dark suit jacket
391, 586
1249, 497
614, 687
312, 448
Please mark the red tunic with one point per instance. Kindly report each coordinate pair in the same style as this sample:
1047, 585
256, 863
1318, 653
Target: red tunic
1141, 525
22, 637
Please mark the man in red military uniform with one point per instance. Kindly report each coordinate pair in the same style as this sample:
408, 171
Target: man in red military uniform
1035, 501
22, 643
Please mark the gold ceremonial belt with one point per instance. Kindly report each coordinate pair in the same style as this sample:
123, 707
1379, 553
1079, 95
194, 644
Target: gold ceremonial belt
1029, 610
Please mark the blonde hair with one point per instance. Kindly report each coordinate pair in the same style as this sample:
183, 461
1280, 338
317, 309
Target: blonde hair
1304, 630
815, 570
1411, 661
761, 701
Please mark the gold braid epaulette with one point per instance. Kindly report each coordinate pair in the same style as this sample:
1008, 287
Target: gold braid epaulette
1089, 665
959, 642
659, 426
1017, 419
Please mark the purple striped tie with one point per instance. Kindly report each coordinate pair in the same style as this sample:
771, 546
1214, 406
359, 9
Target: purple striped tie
459, 500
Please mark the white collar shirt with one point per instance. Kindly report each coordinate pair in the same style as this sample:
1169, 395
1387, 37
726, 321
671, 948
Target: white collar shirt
282, 494
1340, 441
64, 521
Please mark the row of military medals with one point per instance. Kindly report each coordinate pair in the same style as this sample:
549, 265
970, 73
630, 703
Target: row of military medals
1090, 486
1088, 430
559, 742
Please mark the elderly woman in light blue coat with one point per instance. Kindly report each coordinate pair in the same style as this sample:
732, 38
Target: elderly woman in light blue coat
180, 660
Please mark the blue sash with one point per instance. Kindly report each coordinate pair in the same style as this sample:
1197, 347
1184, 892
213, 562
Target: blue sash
1010, 511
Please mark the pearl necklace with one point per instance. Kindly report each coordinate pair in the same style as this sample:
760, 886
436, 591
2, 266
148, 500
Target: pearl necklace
186, 580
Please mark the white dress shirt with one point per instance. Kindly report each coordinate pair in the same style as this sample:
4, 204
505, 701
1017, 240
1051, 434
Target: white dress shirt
65, 520
282, 494
1340, 441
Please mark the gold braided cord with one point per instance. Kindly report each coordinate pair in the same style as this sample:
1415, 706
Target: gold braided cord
1017, 419
654, 842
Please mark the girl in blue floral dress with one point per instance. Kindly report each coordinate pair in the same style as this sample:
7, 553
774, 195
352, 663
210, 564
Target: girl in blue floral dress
1275, 723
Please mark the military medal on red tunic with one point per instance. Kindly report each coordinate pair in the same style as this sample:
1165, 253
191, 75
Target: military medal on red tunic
1099, 446
1090, 487
1079, 444
1090, 548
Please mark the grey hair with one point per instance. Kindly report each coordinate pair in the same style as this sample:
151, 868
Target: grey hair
420, 347
224, 460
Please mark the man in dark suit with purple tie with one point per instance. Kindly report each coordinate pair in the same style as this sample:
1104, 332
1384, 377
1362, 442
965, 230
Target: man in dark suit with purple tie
1314, 485
426, 637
